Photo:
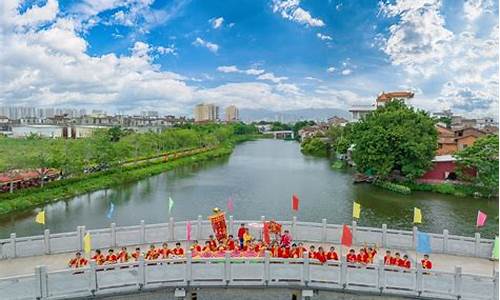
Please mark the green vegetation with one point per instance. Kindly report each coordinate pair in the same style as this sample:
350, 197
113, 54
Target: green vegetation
338, 164
481, 157
398, 188
340, 137
458, 190
315, 146
278, 126
394, 138
299, 125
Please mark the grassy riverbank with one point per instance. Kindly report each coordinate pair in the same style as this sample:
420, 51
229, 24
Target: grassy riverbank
55, 191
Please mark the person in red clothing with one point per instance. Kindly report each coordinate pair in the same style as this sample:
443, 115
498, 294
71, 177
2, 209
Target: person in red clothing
397, 259
123, 255
98, 257
294, 251
111, 258
78, 261
301, 250
405, 262
136, 254
371, 254
362, 256
332, 255
275, 249
213, 243
320, 255
286, 239
207, 247
426, 263
230, 245
178, 251
283, 252
164, 252
241, 233
152, 253
312, 251
351, 256
195, 247
388, 259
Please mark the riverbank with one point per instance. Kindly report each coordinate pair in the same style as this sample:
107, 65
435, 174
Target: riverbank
59, 190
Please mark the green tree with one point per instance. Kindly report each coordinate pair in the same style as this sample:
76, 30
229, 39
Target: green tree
395, 137
482, 157
315, 146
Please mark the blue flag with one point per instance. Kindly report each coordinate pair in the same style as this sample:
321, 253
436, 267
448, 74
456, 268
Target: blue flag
111, 210
423, 242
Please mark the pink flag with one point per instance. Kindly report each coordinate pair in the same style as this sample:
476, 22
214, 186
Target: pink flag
481, 218
230, 205
188, 230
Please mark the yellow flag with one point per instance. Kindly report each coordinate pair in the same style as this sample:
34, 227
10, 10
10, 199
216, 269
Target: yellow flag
87, 243
417, 215
40, 217
356, 210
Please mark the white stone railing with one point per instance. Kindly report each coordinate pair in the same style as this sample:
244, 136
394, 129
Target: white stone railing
115, 236
252, 272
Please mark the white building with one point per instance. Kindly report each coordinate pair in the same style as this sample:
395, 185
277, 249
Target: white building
206, 113
232, 113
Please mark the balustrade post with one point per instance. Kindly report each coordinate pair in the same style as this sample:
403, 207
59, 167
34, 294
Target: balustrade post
41, 282
113, 234
414, 239
13, 250
93, 277
305, 269
445, 241
354, 232
267, 271
457, 279
231, 225
46, 241
294, 228
142, 232
381, 276
343, 272
419, 279
323, 231
477, 243
263, 221
79, 238
141, 273
171, 229
227, 267
384, 236
495, 285
198, 228
189, 273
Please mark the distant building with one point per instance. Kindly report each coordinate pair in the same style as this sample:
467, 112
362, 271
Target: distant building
338, 121
206, 113
232, 113
360, 111
383, 98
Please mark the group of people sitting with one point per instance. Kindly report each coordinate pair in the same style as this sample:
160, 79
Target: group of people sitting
246, 246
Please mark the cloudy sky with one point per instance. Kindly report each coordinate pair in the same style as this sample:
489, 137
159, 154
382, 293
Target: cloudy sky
133, 55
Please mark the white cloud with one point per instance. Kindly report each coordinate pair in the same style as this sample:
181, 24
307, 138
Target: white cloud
234, 69
217, 22
473, 9
288, 88
331, 69
271, 77
291, 10
346, 72
323, 37
167, 50
202, 43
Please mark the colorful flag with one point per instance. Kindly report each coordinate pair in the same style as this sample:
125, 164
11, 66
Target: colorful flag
109, 215
40, 217
230, 205
356, 210
423, 242
346, 239
87, 243
417, 215
295, 202
170, 204
265, 233
481, 218
188, 230
494, 253
218, 221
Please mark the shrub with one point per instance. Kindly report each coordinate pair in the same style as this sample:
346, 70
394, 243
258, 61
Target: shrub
394, 187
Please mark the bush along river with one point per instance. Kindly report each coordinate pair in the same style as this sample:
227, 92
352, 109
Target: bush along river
260, 176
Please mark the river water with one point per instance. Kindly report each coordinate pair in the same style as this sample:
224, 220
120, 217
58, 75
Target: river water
260, 176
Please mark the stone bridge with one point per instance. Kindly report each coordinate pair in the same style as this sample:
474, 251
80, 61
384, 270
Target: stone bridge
35, 267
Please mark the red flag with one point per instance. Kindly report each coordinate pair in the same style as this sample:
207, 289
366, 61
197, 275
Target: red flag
230, 205
265, 233
188, 230
295, 202
346, 239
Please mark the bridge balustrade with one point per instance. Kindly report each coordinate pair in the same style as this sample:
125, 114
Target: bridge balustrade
261, 272
116, 236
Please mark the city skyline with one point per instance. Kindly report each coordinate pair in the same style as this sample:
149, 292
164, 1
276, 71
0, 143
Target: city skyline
167, 56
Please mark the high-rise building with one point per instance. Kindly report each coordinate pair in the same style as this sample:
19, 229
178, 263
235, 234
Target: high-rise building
206, 113
232, 113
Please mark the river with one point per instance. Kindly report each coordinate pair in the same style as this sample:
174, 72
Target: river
260, 176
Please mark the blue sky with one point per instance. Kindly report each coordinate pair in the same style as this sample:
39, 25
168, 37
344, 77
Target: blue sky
133, 55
